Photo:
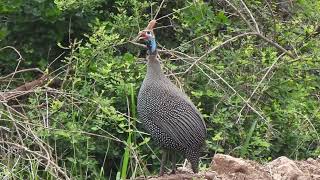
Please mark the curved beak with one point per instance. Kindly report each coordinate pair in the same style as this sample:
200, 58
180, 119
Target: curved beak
142, 35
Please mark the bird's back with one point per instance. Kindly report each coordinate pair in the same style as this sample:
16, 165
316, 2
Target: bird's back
169, 115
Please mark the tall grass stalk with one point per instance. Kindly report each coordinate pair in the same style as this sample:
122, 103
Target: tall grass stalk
131, 135
244, 148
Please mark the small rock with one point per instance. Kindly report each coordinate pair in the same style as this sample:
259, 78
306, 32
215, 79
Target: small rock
210, 175
283, 168
227, 164
184, 170
237, 168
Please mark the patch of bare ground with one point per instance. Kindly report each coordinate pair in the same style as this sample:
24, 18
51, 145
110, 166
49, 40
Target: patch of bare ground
225, 167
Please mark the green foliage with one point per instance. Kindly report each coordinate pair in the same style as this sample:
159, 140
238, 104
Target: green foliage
33, 27
76, 5
88, 121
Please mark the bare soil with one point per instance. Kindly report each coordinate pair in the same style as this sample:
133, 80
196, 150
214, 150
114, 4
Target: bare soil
225, 167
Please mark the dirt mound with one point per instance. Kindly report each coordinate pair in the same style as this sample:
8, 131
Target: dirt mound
281, 168
225, 167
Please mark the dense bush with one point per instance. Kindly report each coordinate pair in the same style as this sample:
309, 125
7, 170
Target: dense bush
252, 69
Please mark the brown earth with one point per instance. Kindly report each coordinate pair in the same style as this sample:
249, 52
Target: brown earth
224, 167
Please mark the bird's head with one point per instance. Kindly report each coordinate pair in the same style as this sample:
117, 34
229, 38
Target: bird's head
148, 36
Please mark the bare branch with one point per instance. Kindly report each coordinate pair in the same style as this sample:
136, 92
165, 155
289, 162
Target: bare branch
37, 154
258, 85
241, 15
11, 47
273, 18
218, 46
225, 82
23, 89
19, 60
252, 18
239, 36
21, 71
155, 16
173, 12
276, 45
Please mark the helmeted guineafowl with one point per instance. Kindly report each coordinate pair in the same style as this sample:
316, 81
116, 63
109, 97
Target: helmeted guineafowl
166, 112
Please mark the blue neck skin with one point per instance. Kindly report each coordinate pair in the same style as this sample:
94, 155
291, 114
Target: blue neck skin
152, 45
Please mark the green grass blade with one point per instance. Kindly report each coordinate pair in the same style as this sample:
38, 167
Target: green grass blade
126, 155
244, 149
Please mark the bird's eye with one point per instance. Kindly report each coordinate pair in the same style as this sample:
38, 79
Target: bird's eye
148, 32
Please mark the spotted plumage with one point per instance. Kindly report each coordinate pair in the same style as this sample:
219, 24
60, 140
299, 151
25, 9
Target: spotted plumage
167, 113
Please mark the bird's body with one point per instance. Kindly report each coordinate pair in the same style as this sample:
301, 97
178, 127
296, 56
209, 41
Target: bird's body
167, 113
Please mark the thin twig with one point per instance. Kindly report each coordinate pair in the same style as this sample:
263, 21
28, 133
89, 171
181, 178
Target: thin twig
258, 85
273, 19
37, 154
17, 66
13, 48
181, 45
55, 59
252, 18
23, 89
225, 82
239, 36
155, 16
161, 27
241, 15
276, 45
218, 46
178, 10
21, 71
111, 137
